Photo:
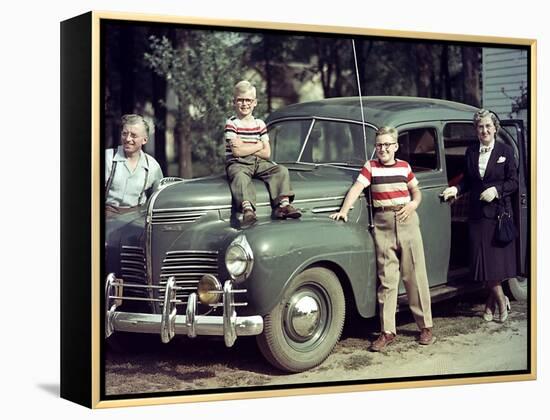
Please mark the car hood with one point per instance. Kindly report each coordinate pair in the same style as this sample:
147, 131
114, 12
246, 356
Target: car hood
307, 182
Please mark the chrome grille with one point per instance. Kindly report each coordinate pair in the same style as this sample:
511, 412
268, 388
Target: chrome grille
176, 216
187, 267
133, 269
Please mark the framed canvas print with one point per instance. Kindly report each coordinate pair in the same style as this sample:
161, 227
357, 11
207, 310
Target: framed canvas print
254, 209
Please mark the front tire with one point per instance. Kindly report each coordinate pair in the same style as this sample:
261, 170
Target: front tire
302, 330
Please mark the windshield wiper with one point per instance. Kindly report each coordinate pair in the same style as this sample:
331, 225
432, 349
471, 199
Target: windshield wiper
316, 165
346, 164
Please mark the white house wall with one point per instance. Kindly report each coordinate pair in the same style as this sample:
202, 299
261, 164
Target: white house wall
503, 69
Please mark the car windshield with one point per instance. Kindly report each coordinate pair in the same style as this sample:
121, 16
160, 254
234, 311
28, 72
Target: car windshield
319, 141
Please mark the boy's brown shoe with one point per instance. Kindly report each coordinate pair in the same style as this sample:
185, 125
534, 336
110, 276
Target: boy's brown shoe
249, 217
287, 212
426, 337
382, 341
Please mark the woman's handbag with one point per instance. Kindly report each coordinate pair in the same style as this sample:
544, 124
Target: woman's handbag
506, 231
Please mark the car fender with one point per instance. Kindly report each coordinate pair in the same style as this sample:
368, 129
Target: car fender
283, 249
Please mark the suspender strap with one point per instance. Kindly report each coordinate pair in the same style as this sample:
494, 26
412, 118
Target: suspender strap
144, 182
111, 175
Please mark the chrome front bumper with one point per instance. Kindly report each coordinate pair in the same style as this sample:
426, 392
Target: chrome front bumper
169, 323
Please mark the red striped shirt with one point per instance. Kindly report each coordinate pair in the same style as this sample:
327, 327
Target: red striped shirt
235, 127
389, 184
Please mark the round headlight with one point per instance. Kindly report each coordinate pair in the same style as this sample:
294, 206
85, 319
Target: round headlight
236, 260
208, 289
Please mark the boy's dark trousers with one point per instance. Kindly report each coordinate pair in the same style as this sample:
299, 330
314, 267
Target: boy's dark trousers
240, 172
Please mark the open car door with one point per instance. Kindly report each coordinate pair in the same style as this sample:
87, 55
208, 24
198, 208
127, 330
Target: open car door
516, 130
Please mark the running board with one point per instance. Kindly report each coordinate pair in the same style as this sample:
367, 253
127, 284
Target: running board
443, 292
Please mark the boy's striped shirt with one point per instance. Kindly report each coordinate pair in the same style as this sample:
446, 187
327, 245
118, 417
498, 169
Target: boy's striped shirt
390, 184
234, 127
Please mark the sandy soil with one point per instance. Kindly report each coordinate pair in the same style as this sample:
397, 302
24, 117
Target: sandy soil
465, 345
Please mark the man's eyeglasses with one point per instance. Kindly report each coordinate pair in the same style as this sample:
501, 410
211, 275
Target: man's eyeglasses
125, 134
381, 146
246, 101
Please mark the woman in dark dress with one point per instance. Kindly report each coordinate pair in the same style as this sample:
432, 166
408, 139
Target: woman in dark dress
491, 177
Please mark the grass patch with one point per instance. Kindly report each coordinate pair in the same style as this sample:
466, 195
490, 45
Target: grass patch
464, 326
357, 362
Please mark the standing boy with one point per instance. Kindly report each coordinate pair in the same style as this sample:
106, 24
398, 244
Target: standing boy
247, 156
399, 248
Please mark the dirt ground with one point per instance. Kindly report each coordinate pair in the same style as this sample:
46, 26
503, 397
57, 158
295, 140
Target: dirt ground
465, 345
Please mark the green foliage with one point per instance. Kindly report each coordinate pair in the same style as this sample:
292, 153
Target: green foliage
520, 101
201, 69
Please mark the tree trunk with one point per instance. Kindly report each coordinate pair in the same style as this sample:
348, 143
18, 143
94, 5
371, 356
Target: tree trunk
323, 68
159, 89
444, 75
267, 70
182, 130
127, 65
182, 134
159, 96
363, 49
424, 70
470, 69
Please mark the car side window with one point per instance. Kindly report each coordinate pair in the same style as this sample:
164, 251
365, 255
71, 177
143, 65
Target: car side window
456, 139
418, 147
335, 142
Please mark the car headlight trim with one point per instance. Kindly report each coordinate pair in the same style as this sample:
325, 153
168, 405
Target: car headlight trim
239, 259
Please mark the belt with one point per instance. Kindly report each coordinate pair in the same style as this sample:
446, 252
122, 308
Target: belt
387, 208
119, 210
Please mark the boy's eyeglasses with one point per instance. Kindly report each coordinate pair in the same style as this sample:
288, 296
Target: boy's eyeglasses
247, 101
381, 146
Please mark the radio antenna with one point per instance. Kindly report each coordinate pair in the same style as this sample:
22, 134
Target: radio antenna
360, 96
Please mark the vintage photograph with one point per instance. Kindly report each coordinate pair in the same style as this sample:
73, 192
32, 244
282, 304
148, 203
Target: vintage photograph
290, 208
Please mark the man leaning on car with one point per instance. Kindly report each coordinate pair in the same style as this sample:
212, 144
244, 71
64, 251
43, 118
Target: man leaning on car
130, 173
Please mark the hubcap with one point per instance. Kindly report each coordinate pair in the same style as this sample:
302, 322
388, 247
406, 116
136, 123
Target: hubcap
303, 316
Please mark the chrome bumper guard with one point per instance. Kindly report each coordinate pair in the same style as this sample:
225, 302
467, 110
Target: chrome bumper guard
169, 323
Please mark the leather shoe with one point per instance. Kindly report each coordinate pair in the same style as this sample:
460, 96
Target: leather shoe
426, 337
249, 217
287, 212
384, 339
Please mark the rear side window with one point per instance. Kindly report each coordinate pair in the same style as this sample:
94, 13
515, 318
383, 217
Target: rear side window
419, 147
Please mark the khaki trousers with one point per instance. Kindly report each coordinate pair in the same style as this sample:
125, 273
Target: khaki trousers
400, 254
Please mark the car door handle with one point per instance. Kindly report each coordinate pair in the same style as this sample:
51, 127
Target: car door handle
523, 199
327, 209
